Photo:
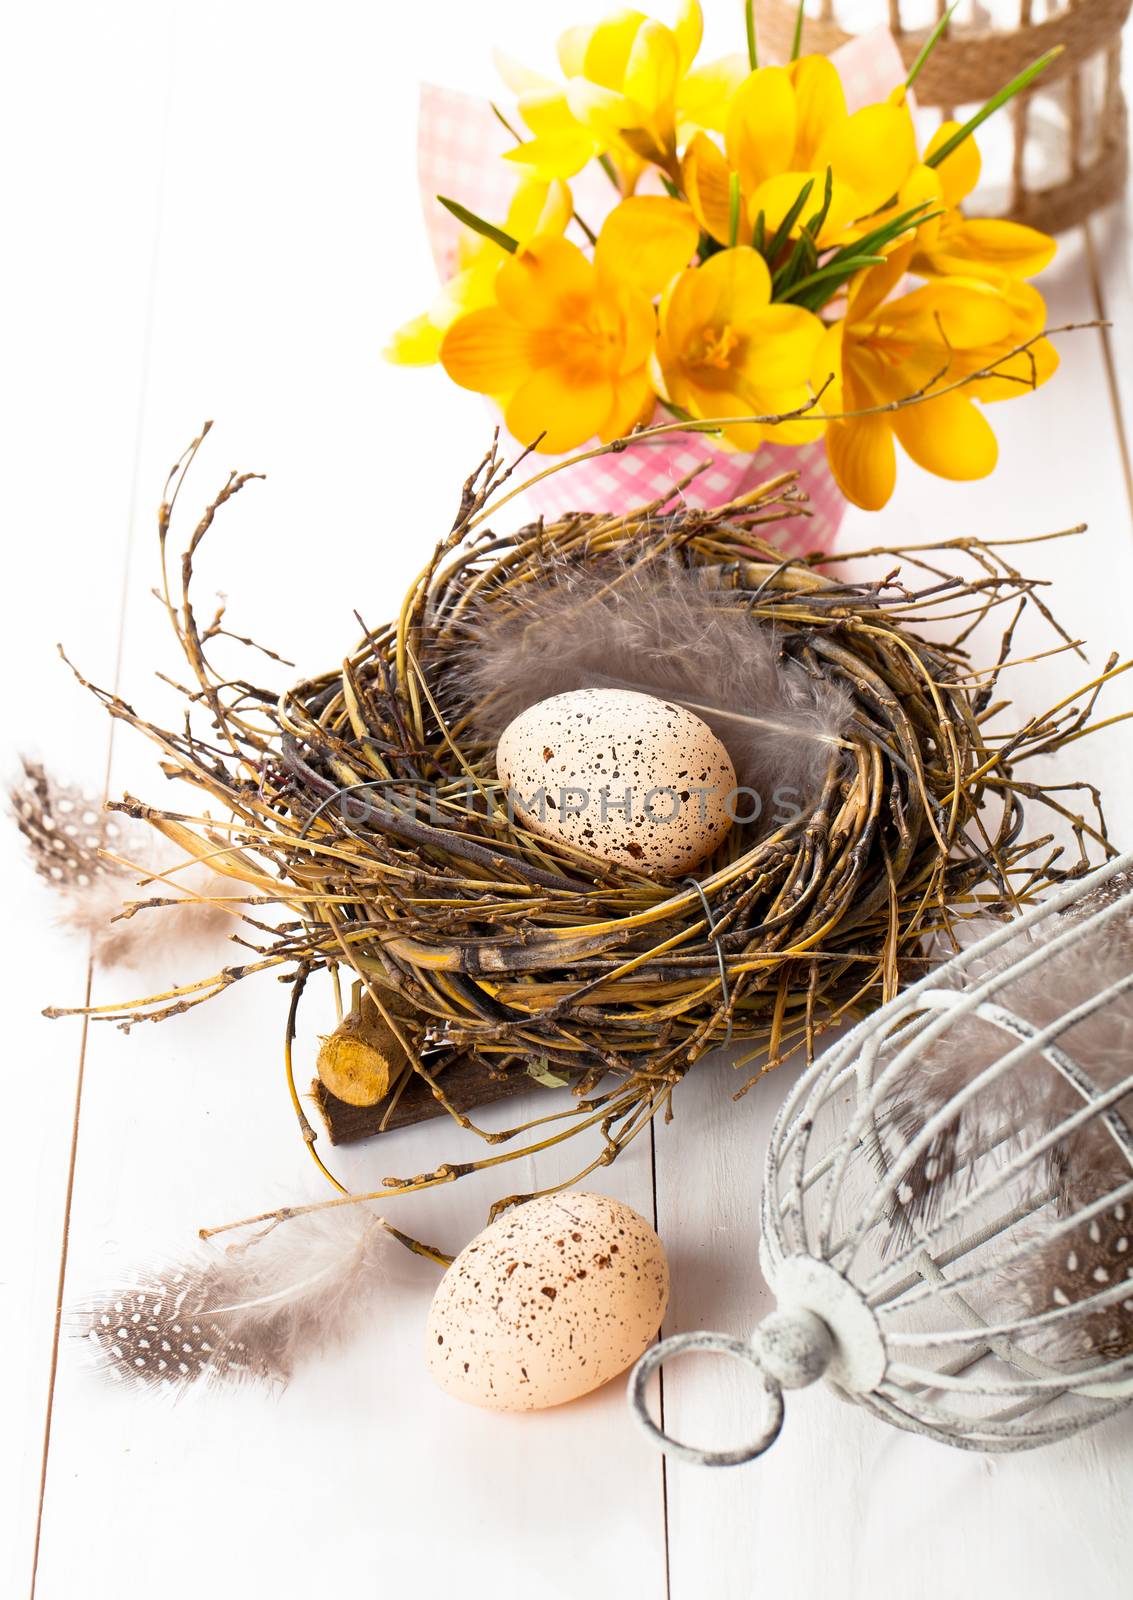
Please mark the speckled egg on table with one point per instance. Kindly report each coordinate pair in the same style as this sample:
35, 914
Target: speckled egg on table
553, 1299
627, 777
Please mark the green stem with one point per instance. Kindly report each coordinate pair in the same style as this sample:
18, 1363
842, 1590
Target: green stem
749, 22
797, 41
930, 45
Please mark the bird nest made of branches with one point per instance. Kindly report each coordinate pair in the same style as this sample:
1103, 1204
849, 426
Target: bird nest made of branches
366, 800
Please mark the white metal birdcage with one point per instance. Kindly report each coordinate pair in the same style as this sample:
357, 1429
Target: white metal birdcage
947, 1213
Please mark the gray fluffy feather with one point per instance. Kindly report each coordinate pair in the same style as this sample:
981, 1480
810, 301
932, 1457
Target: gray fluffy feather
251, 1311
658, 628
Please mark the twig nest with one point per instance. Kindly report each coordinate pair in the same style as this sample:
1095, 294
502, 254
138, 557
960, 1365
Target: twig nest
368, 797
623, 776
552, 1300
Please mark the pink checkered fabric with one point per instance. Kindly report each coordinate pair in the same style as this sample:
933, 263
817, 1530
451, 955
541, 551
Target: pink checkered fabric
458, 149
645, 472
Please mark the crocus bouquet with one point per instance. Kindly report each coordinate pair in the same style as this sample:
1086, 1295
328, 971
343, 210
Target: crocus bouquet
774, 266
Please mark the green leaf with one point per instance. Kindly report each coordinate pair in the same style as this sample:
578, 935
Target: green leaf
842, 270
1008, 92
783, 231
486, 230
803, 259
749, 23
733, 209
797, 41
610, 170
930, 45
814, 226
869, 243
678, 413
759, 236
503, 121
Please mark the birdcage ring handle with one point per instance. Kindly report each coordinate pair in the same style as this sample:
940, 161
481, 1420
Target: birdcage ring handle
677, 1345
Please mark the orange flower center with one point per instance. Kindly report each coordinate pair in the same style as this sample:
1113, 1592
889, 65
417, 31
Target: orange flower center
717, 346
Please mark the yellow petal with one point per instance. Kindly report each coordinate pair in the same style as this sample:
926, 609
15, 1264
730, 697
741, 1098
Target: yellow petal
1017, 374
558, 209
538, 208
605, 112
705, 178
722, 402
634, 402
554, 155
872, 152
518, 78
645, 240
985, 248
486, 351
805, 428
416, 343
571, 49
948, 436
689, 31
653, 68
863, 460
729, 285
704, 93
637, 328
566, 408
469, 290
820, 105
760, 128
952, 312
921, 188
545, 110
826, 368
781, 343
542, 284
959, 172
608, 47
874, 286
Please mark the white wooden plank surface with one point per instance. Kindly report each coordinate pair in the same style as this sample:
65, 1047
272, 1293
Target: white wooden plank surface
223, 202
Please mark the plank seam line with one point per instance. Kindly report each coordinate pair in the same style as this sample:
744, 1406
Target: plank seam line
1098, 296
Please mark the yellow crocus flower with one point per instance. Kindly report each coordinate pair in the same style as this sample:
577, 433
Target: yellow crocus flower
980, 247
630, 90
536, 208
566, 346
787, 126
725, 351
887, 350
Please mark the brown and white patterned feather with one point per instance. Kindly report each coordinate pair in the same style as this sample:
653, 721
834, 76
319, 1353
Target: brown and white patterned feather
250, 1312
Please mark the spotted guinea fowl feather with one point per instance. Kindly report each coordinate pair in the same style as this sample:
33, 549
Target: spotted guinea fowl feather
252, 1311
72, 841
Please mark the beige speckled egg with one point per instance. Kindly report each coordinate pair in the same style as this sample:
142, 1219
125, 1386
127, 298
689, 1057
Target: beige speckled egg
624, 776
554, 1298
